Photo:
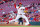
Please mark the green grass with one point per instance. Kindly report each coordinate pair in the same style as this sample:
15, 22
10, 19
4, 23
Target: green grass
19, 26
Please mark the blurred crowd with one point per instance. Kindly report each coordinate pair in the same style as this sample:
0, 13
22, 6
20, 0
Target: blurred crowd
4, 1
7, 17
33, 13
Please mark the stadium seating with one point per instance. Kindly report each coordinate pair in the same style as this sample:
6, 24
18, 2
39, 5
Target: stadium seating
9, 6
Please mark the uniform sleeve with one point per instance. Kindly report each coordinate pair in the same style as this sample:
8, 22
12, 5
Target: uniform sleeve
15, 5
26, 9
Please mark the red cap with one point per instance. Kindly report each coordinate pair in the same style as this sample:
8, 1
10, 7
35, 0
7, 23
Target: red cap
20, 3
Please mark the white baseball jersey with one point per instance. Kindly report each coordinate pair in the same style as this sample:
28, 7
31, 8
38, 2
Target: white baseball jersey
20, 10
